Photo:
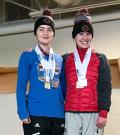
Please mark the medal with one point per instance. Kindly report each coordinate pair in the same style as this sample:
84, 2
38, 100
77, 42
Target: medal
55, 83
81, 83
47, 85
48, 66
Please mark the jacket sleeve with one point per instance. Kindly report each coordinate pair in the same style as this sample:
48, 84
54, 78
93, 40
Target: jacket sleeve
63, 76
104, 84
22, 80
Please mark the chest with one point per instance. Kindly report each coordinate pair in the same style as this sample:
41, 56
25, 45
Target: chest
92, 69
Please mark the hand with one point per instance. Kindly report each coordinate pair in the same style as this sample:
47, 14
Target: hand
101, 122
27, 121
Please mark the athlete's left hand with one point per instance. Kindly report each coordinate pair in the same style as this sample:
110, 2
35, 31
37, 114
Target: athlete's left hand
101, 122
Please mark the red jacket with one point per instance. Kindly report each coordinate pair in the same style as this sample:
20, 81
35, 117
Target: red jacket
82, 99
86, 99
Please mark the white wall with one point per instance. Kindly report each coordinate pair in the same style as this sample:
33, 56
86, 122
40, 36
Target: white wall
12, 45
113, 122
106, 40
9, 121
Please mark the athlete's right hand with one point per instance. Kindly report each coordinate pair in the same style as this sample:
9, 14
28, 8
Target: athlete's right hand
27, 121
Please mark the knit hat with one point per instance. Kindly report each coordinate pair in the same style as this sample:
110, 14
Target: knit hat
45, 19
82, 23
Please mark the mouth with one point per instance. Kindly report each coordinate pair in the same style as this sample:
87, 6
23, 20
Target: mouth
45, 37
84, 42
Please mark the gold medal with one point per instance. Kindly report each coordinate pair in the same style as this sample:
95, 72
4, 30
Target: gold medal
47, 85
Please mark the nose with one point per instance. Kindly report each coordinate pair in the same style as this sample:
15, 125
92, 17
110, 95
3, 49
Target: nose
46, 32
85, 36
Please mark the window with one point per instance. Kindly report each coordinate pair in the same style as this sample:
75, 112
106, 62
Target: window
13, 11
20, 9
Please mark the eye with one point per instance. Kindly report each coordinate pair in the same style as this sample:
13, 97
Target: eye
50, 30
88, 33
41, 29
81, 33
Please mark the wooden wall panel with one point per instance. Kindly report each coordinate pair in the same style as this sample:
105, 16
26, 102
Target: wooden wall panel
8, 77
118, 60
8, 82
115, 76
115, 72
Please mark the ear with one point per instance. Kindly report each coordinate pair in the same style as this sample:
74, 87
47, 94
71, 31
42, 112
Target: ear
74, 38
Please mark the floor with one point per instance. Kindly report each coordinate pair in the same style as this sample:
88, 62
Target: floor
11, 125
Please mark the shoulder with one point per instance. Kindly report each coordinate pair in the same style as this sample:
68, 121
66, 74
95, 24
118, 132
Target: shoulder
67, 56
104, 63
27, 54
29, 51
58, 57
100, 55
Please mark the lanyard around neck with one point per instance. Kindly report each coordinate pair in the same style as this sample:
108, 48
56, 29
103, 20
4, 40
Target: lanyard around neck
81, 67
48, 65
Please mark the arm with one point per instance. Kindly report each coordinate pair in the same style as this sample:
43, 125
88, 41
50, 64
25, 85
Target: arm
63, 75
22, 80
104, 91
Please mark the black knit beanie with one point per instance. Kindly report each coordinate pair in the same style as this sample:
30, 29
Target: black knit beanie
45, 19
82, 23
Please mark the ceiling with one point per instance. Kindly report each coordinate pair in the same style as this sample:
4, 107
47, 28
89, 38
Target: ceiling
63, 8
55, 4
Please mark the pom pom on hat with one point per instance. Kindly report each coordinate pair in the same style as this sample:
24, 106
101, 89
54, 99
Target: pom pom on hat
45, 19
83, 15
47, 12
83, 11
82, 22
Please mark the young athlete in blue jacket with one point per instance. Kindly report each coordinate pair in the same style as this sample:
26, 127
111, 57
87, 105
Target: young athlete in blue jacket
41, 108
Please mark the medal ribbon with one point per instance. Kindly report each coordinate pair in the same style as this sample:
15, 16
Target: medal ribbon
81, 67
48, 65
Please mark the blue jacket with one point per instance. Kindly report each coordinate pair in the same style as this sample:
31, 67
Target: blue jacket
33, 99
